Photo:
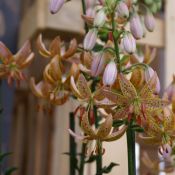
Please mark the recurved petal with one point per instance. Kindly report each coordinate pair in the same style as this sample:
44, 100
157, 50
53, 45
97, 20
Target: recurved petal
116, 135
74, 89
83, 87
150, 87
115, 97
60, 99
42, 48
27, 62
23, 53
121, 113
86, 127
127, 87
150, 140
5, 54
154, 103
72, 49
105, 128
55, 47
76, 136
105, 103
47, 76
37, 88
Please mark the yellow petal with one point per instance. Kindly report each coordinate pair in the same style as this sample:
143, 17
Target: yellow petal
83, 87
105, 128
121, 113
137, 78
86, 127
74, 88
42, 48
55, 47
72, 49
127, 88
116, 135
5, 55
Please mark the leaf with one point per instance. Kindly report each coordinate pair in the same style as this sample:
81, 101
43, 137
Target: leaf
118, 123
9, 171
98, 48
108, 169
91, 159
4, 155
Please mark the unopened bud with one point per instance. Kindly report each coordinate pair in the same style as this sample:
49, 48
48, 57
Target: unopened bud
100, 18
122, 10
148, 75
149, 21
129, 43
110, 74
90, 40
55, 5
165, 151
136, 27
97, 65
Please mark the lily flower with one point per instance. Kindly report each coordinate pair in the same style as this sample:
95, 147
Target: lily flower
105, 133
132, 102
55, 86
83, 92
160, 129
12, 65
55, 48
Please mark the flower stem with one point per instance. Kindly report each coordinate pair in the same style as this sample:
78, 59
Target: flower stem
82, 159
131, 150
84, 13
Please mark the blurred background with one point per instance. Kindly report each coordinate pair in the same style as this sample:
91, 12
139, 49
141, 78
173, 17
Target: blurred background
38, 140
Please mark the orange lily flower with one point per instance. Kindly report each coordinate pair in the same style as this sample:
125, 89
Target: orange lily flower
140, 104
55, 83
103, 133
12, 65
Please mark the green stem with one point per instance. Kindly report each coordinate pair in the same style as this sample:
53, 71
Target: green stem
131, 150
82, 159
84, 12
99, 157
116, 42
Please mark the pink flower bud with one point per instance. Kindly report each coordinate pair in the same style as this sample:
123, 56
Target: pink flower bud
90, 12
148, 75
100, 18
165, 151
129, 43
136, 27
97, 65
110, 74
90, 40
55, 5
122, 10
149, 21
170, 91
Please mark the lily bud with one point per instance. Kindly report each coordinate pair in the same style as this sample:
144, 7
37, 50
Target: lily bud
100, 18
129, 43
55, 5
148, 75
122, 10
136, 27
110, 74
149, 21
170, 91
90, 40
165, 151
97, 65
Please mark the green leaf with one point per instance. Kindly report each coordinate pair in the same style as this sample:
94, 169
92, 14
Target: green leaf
4, 155
91, 159
108, 169
9, 171
98, 48
137, 128
118, 123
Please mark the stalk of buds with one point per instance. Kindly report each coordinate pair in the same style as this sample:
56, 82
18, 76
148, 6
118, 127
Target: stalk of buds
110, 74
55, 5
